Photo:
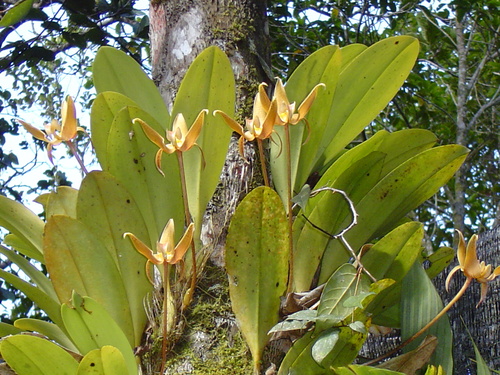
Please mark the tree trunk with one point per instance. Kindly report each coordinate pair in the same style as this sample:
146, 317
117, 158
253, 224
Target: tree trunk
179, 31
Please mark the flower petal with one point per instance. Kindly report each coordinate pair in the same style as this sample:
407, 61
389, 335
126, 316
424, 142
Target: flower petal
268, 125
484, 291
35, 132
230, 122
183, 245
450, 275
69, 122
263, 98
167, 236
461, 251
152, 134
158, 156
142, 248
471, 264
306, 104
194, 132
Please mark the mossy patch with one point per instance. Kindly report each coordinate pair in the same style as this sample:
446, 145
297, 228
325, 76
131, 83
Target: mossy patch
211, 343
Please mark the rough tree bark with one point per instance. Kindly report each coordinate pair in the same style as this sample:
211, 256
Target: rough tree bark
179, 31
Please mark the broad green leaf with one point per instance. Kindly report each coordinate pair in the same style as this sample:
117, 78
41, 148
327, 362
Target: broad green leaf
355, 180
362, 370
62, 201
109, 211
113, 70
414, 360
16, 13
337, 347
365, 87
50, 330
350, 52
77, 261
104, 109
23, 223
298, 359
313, 354
131, 159
50, 306
298, 320
257, 265
384, 308
16, 243
344, 283
399, 147
420, 303
439, 260
31, 355
323, 66
347, 174
8, 329
208, 84
394, 255
400, 191
105, 361
34, 274
91, 327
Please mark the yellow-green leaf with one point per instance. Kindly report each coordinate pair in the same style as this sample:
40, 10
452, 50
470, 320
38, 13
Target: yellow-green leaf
62, 201
31, 355
16, 13
91, 327
78, 261
108, 210
257, 265
105, 361
208, 84
113, 70
104, 109
23, 223
131, 159
48, 329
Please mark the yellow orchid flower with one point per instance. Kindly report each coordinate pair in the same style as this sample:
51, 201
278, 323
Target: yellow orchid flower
181, 139
471, 267
56, 133
286, 111
260, 126
166, 253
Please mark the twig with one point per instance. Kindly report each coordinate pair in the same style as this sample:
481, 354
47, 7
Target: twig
340, 235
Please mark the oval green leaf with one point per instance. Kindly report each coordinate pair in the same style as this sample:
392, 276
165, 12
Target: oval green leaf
108, 210
31, 355
113, 70
78, 261
91, 327
257, 265
105, 361
208, 84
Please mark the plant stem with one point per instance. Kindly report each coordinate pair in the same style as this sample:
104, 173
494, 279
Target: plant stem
427, 326
289, 205
166, 297
263, 161
188, 219
75, 153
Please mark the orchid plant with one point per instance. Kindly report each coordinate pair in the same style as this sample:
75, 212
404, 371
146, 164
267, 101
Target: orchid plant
304, 271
